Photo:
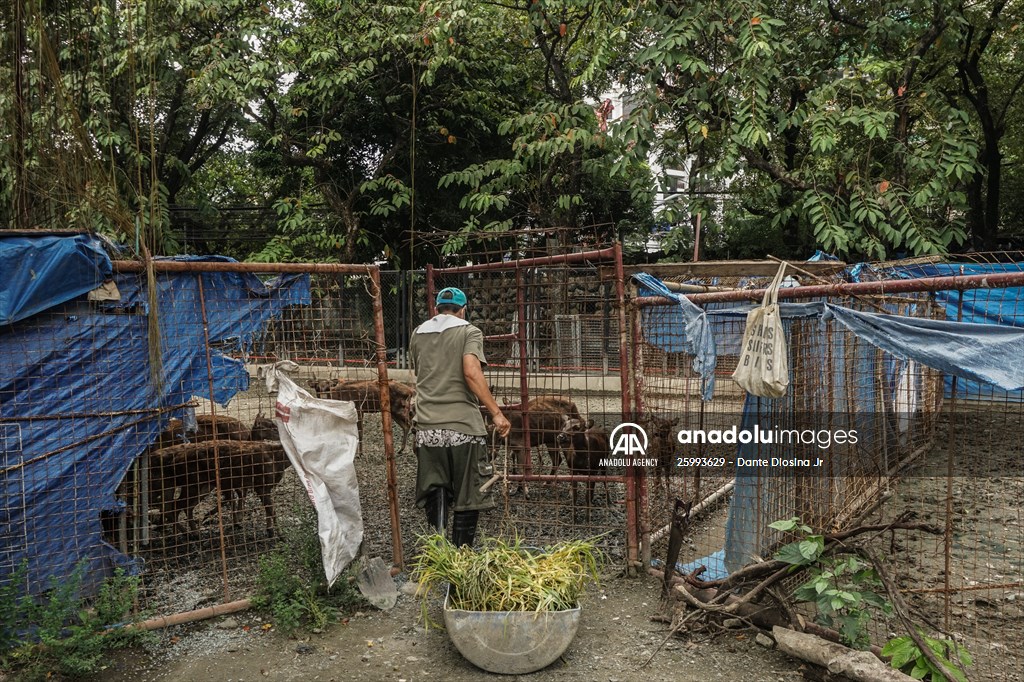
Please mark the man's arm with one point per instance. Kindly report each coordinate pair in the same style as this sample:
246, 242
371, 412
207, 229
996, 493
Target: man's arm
474, 374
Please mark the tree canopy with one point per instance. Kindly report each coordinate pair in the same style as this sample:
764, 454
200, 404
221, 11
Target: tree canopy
353, 131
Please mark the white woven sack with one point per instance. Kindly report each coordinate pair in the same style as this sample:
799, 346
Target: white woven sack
320, 438
763, 368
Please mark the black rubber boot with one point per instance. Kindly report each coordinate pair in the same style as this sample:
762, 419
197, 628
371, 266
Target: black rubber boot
437, 510
464, 527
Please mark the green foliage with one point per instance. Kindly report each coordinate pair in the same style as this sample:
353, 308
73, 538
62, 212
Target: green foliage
62, 633
844, 589
865, 129
125, 103
839, 120
291, 586
907, 657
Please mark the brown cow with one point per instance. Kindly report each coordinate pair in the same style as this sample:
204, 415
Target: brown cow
366, 396
192, 468
588, 446
546, 417
164, 477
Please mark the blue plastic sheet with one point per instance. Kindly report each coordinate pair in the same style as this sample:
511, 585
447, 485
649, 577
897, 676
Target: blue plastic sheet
694, 334
984, 306
986, 354
37, 273
78, 401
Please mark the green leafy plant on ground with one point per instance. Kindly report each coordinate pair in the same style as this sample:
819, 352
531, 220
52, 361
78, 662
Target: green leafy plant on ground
506, 575
845, 590
907, 657
61, 633
291, 585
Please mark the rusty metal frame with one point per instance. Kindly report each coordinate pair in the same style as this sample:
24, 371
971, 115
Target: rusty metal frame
370, 271
613, 254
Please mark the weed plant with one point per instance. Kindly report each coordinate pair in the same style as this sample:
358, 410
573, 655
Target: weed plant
291, 585
61, 634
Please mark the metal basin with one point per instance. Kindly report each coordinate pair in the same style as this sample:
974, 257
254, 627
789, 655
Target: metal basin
511, 642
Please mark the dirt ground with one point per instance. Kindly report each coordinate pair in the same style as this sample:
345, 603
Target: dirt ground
985, 570
615, 640
617, 635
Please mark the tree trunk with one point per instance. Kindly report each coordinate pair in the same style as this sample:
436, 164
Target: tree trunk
993, 160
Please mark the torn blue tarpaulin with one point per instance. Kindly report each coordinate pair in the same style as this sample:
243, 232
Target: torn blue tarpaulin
1003, 306
78, 404
985, 353
976, 352
37, 273
695, 337
979, 352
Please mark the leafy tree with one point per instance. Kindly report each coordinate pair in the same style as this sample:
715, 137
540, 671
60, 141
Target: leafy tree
555, 168
990, 81
830, 120
121, 104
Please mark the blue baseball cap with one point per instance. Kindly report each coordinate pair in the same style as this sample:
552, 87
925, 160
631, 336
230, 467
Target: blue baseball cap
451, 296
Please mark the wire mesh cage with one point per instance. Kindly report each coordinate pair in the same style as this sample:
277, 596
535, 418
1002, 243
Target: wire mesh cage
157, 452
152, 447
552, 325
938, 448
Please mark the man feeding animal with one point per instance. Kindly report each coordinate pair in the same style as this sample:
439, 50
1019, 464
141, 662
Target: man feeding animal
451, 446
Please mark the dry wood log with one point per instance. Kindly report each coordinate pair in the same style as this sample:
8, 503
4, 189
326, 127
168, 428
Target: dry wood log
861, 666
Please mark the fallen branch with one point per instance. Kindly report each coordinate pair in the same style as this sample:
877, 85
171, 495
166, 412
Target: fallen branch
861, 666
766, 568
762, 617
899, 605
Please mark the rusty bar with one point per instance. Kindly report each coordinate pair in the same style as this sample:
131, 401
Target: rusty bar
645, 538
431, 287
89, 415
564, 259
216, 448
635, 484
141, 499
620, 296
945, 283
524, 389
70, 446
966, 588
568, 478
637, 367
643, 533
696, 240
501, 337
947, 535
219, 266
391, 467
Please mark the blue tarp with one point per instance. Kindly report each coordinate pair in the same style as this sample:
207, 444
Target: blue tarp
689, 325
37, 273
984, 306
974, 352
76, 400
